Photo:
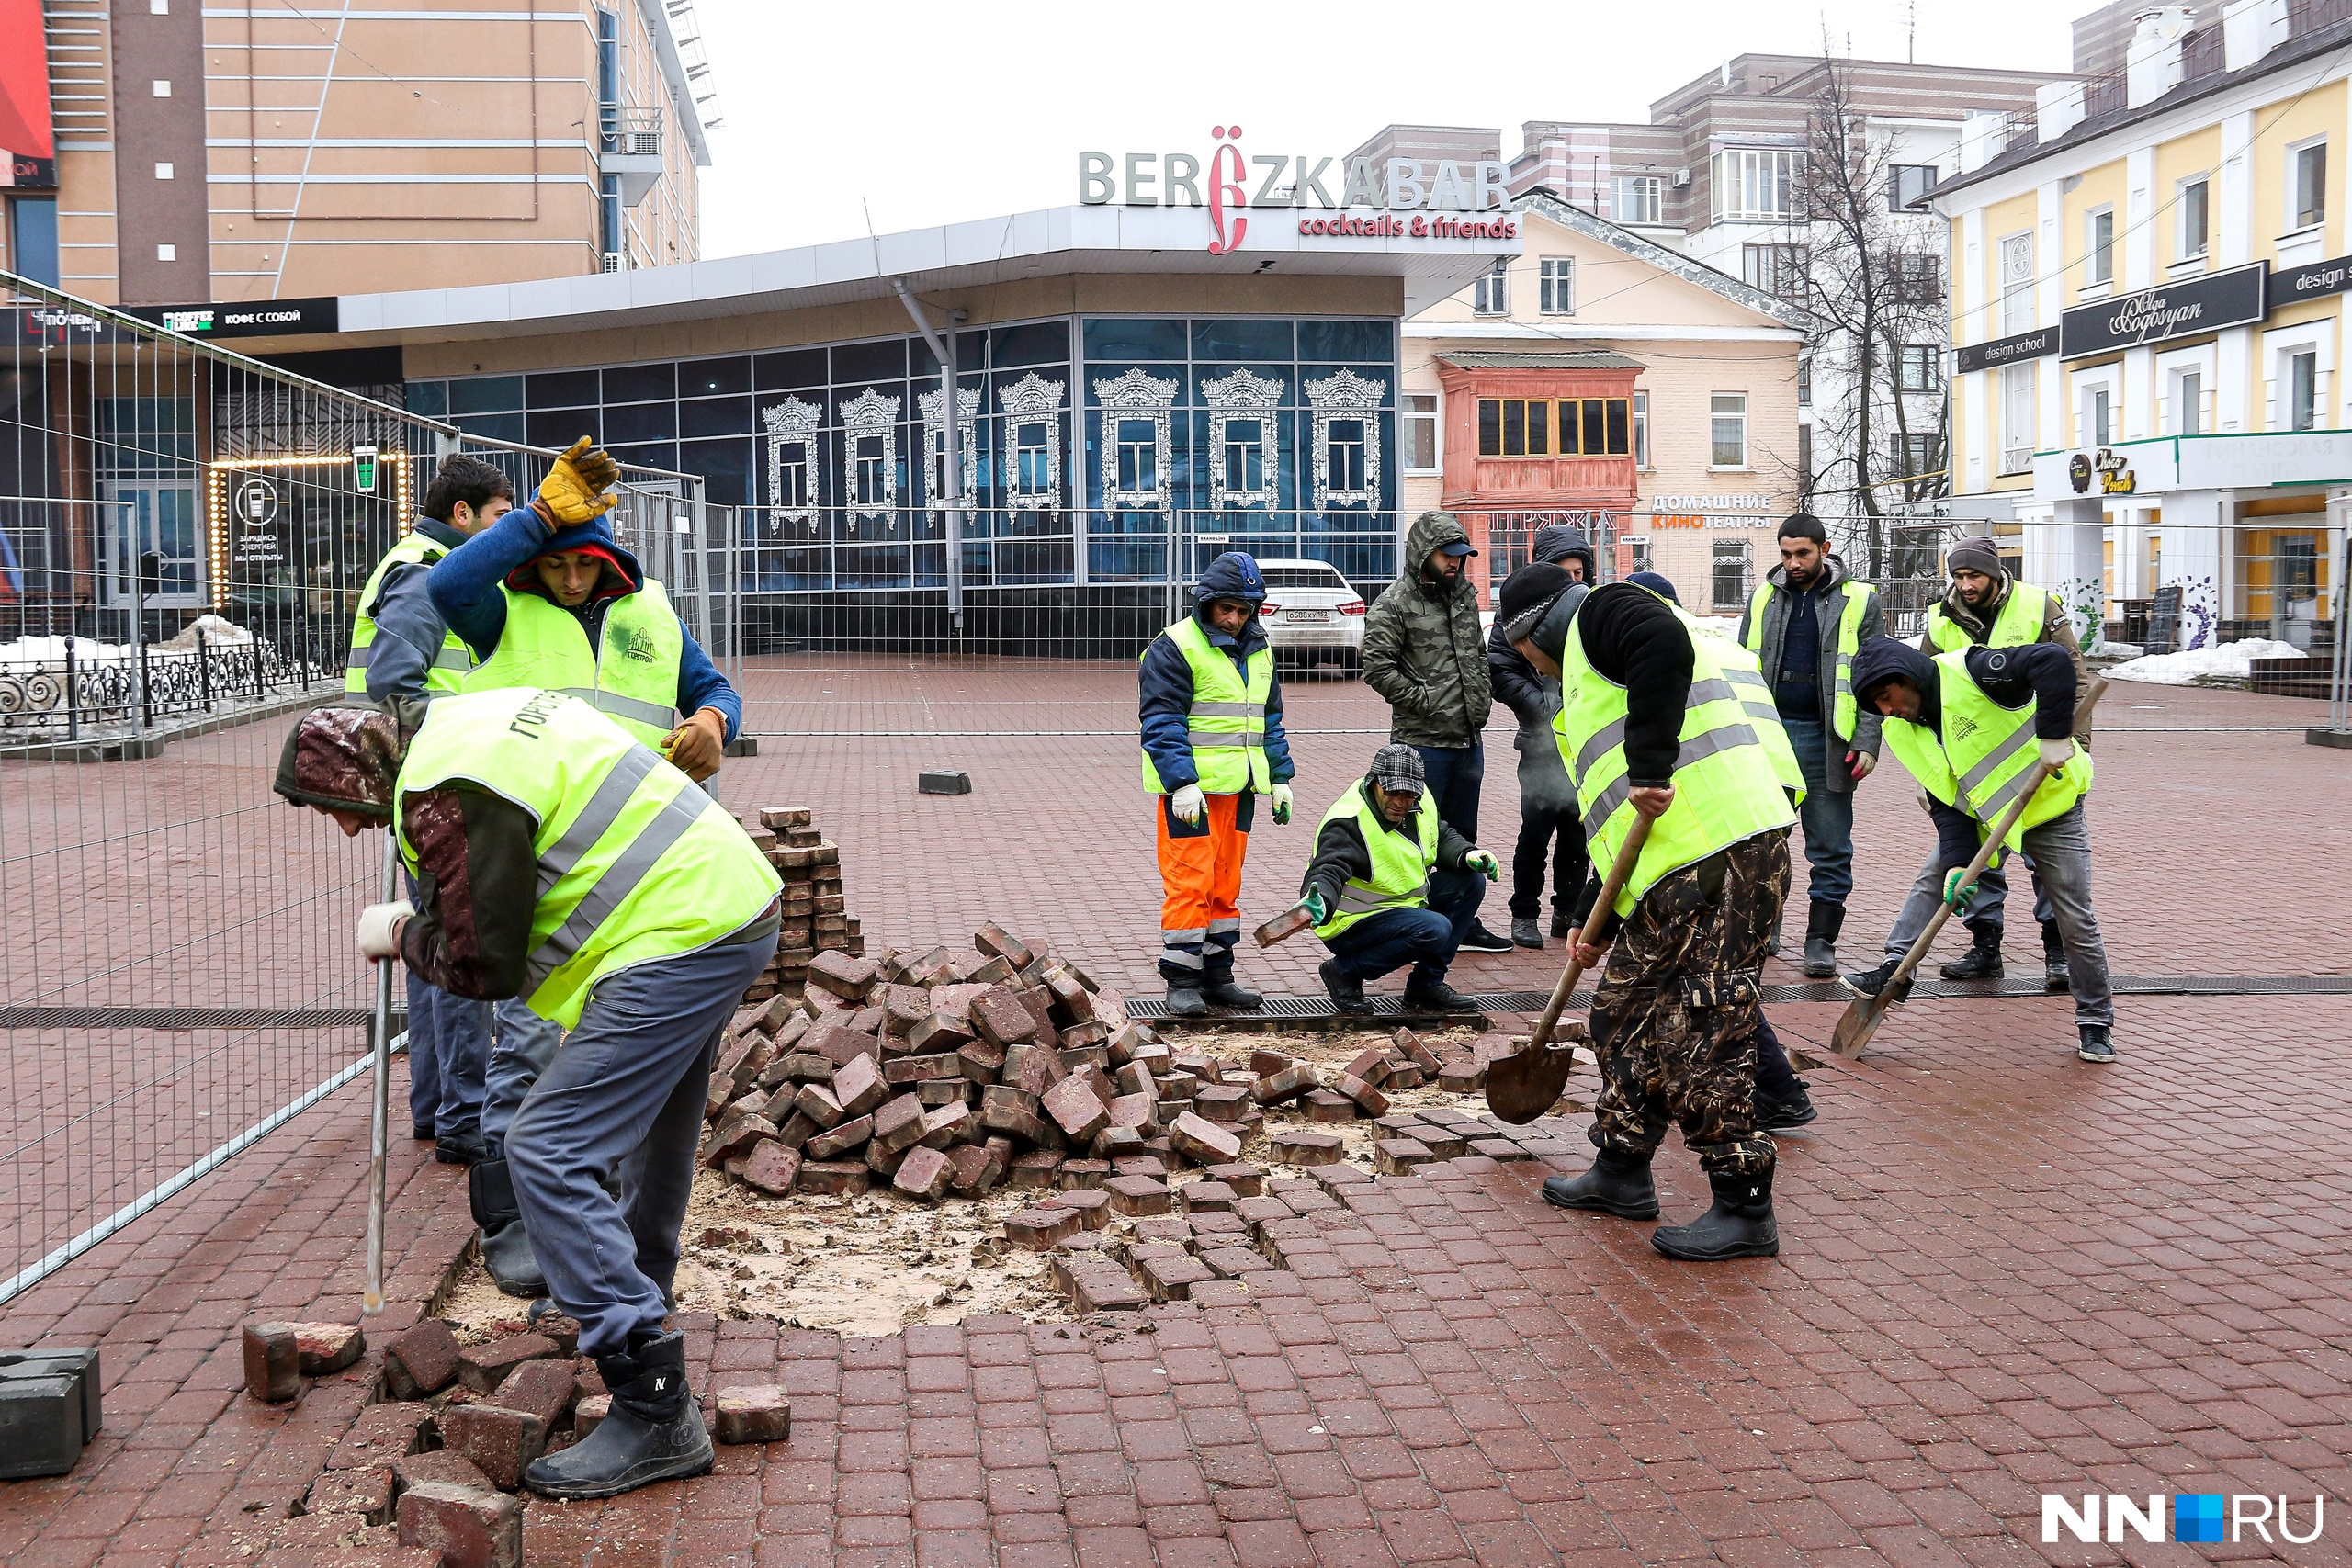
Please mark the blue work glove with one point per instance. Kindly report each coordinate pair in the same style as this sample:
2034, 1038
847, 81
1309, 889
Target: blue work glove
1955, 894
1484, 863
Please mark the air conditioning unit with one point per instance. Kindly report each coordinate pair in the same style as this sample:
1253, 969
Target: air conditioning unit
616, 261
1681, 178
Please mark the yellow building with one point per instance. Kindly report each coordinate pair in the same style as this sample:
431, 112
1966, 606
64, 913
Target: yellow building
2149, 277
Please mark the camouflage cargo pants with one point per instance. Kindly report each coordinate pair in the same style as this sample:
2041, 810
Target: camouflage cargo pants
1674, 1020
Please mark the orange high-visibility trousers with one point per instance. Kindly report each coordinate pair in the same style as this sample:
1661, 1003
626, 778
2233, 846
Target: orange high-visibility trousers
1200, 879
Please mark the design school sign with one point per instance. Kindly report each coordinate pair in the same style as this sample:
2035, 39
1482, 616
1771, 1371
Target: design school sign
2188, 309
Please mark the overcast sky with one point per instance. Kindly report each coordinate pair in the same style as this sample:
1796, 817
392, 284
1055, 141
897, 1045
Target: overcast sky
925, 112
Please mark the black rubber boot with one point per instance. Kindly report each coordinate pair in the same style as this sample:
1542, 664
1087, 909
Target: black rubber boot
1560, 922
654, 1432
1437, 997
1981, 961
1821, 924
2054, 974
1780, 1113
1219, 991
505, 1246
1345, 990
1184, 1000
1741, 1224
1617, 1184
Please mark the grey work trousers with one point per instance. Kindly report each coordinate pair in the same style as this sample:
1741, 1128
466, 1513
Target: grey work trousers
2061, 851
625, 1096
525, 1043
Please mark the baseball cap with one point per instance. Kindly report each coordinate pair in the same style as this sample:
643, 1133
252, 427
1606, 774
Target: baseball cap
1459, 548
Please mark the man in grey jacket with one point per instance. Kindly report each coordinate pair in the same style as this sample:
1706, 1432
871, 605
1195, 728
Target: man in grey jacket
1425, 652
1547, 802
1804, 623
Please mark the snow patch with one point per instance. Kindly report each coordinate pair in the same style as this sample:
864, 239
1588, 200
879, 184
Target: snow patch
2225, 662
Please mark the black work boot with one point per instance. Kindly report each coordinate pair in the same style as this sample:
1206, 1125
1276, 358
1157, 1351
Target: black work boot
1527, 933
1219, 991
460, 1146
1436, 996
1785, 1113
1561, 923
1867, 983
1184, 1000
1981, 961
1345, 990
1617, 1184
1823, 923
1741, 1224
653, 1433
2054, 974
505, 1246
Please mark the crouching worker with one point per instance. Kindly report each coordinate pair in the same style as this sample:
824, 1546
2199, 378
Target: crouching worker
1652, 725
1391, 885
559, 859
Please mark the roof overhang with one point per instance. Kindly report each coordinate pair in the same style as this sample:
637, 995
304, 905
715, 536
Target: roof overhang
1059, 242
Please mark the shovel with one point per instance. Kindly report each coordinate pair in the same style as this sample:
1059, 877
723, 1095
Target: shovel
1524, 1086
1862, 1015
379, 1112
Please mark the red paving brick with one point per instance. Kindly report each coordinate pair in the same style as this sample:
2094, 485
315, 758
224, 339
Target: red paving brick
2004, 1272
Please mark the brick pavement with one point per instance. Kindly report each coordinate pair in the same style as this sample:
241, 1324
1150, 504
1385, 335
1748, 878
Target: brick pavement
2004, 1272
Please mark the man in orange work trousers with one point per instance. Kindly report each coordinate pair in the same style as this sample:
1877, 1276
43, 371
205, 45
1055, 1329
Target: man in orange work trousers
1212, 716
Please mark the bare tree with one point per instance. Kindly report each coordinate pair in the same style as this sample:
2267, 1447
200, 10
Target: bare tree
1874, 280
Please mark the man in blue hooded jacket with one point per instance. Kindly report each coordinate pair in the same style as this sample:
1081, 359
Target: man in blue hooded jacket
1212, 719
545, 597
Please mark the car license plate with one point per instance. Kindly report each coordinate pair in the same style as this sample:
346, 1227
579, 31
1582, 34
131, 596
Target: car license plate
1296, 616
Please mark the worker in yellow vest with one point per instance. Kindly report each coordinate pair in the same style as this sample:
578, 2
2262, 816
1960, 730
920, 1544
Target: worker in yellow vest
1211, 714
402, 647
1392, 884
560, 861
548, 598
1654, 723
1970, 726
1986, 607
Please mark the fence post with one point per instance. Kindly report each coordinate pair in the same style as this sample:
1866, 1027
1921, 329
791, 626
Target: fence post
203, 669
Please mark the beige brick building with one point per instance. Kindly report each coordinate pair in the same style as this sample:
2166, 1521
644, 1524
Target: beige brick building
276, 151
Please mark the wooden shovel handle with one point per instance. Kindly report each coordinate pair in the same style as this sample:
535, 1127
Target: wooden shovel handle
1984, 851
1619, 874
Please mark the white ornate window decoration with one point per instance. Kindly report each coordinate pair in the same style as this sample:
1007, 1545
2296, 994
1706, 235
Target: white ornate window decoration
870, 432
1347, 439
935, 465
1138, 442
793, 493
1242, 410
1032, 441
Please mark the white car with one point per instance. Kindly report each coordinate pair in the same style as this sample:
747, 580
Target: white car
1312, 614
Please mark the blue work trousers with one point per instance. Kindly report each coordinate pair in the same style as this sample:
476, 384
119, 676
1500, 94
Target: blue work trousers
448, 1045
1827, 816
625, 1098
523, 1046
1426, 938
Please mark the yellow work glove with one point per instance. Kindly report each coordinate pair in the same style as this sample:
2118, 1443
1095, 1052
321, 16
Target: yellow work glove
574, 488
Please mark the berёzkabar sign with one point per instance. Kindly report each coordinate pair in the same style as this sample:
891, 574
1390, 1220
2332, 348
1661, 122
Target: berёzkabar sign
2186, 309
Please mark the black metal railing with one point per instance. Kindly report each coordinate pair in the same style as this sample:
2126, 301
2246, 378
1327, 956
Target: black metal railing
88, 688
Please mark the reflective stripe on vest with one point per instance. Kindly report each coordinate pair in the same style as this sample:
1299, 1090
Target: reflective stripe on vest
1400, 865
450, 661
635, 863
1856, 598
1226, 726
1728, 783
1985, 769
2020, 621
630, 675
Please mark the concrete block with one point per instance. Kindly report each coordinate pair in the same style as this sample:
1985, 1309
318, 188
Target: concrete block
1366, 1096
837, 1141
771, 1168
1397, 1156
1038, 1170
993, 939
1137, 1195
380, 1435
1041, 1230
758, 1414
1077, 1108
1297, 1146
816, 1101
499, 1440
1280, 1087
1201, 1141
977, 1169
899, 1124
1208, 1197
327, 1347
846, 977
440, 1464
998, 1017
858, 1086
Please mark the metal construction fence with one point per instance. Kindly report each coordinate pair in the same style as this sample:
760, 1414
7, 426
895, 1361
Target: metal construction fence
183, 535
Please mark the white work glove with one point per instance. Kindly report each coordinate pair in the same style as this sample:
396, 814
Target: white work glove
1484, 863
2058, 753
379, 927
1282, 804
1190, 805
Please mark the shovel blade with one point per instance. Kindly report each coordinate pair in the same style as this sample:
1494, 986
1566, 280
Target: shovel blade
1855, 1027
1526, 1084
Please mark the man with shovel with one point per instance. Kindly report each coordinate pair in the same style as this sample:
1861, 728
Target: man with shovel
1970, 726
1653, 726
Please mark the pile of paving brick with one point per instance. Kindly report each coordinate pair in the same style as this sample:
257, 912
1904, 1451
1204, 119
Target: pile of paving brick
437, 1463
816, 912
932, 1074
1213, 1240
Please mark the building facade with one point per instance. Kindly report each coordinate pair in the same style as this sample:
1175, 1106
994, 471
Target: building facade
224, 155
1601, 379
2150, 305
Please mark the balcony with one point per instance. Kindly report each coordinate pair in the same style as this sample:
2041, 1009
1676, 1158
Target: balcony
629, 145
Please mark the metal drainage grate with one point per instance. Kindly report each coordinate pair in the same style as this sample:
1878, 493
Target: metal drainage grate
186, 1018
